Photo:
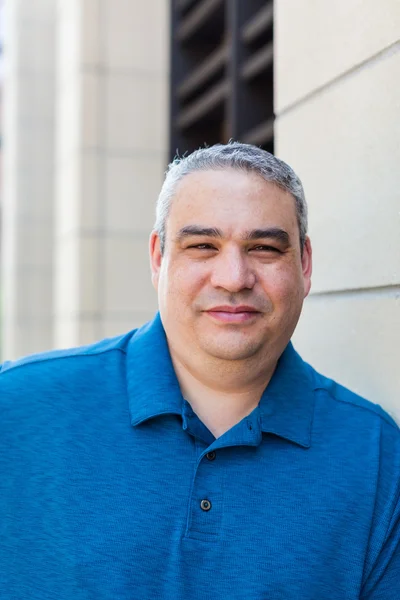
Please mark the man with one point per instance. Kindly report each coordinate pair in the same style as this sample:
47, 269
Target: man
199, 457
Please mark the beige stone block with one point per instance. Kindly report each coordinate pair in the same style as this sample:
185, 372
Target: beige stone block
37, 10
33, 194
132, 186
34, 142
34, 294
90, 32
34, 39
8, 287
69, 42
78, 194
344, 144
127, 275
79, 95
30, 338
68, 11
137, 35
9, 118
91, 273
91, 129
8, 350
91, 192
35, 106
66, 278
68, 196
89, 329
68, 119
65, 333
10, 13
34, 249
113, 326
78, 275
136, 112
354, 339
315, 42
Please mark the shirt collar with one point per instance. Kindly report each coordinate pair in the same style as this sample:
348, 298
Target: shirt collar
287, 404
286, 407
153, 388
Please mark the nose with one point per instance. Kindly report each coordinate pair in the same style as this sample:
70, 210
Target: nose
232, 271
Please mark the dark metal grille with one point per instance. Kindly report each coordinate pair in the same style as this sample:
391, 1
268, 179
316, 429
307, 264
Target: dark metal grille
221, 73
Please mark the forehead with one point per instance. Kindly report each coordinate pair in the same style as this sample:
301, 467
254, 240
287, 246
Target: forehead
231, 200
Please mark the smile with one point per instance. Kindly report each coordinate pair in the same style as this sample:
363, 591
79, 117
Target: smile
230, 314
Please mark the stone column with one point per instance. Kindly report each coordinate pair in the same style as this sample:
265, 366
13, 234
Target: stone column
28, 176
112, 150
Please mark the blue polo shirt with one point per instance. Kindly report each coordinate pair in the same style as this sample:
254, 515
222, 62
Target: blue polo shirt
112, 489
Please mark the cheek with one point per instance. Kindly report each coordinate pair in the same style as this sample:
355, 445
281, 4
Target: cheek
182, 281
284, 286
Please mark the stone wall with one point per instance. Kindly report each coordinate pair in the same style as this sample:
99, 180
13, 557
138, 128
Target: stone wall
337, 101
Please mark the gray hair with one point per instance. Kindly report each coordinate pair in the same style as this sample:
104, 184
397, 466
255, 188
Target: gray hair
234, 155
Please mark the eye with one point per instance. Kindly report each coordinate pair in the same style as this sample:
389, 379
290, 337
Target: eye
264, 248
202, 247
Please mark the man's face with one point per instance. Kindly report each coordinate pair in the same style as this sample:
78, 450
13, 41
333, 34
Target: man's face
232, 280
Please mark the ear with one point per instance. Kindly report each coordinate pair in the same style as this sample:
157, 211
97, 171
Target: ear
306, 263
155, 257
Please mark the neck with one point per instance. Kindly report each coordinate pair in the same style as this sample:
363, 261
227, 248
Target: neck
222, 395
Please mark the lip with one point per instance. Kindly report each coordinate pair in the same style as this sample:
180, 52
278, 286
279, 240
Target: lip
232, 309
233, 314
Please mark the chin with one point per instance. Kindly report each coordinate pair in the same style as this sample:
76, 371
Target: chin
232, 355
230, 351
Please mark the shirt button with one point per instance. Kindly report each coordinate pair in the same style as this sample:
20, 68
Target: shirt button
211, 455
205, 505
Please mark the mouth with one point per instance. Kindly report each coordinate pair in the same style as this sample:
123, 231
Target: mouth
233, 314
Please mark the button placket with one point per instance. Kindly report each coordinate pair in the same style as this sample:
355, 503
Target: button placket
206, 507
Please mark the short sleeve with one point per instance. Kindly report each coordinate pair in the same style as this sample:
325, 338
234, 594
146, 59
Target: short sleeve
383, 578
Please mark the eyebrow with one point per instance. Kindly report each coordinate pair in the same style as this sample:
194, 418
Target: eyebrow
275, 233
191, 230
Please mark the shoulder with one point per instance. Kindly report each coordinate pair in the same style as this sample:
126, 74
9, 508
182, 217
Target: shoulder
363, 436
62, 363
52, 386
348, 402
